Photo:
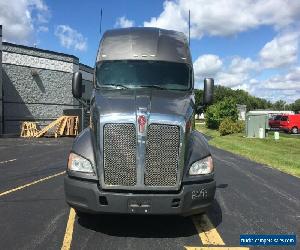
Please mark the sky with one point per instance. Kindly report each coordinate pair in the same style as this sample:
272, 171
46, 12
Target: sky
249, 45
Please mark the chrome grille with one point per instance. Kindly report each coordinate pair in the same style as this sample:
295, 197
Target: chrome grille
120, 154
162, 151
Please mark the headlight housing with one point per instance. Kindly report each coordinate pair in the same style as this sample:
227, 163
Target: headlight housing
79, 164
204, 166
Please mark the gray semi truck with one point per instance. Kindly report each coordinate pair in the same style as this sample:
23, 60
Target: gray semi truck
141, 153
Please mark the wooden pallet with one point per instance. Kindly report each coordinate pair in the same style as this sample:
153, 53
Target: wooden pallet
64, 125
29, 129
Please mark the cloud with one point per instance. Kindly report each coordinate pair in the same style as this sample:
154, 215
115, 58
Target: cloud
225, 17
236, 74
173, 17
21, 18
274, 95
207, 66
243, 65
123, 22
233, 80
71, 38
241, 73
231, 17
281, 51
42, 29
288, 81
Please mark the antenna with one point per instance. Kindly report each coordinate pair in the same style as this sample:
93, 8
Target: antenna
189, 27
100, 20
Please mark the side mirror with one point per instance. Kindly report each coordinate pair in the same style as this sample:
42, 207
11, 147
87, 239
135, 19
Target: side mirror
208, 91
77, 85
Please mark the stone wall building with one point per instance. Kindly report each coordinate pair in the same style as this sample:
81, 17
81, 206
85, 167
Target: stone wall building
1, 95
36, 85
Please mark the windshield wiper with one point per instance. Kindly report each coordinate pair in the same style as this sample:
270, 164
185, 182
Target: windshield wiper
152, 86
114, 86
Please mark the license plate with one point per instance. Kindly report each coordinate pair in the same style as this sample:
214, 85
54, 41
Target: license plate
139, 206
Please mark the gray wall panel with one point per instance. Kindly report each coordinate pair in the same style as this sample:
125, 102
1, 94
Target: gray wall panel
1, 108
28, 97
19, 49
34, 92
46, 86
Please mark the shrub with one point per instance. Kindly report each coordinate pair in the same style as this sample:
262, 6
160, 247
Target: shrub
212, 117
229, 126
240, 126
215, 113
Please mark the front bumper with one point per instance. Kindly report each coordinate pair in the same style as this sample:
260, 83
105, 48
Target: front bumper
86, 196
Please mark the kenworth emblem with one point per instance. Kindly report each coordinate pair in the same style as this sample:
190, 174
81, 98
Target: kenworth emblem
142, 120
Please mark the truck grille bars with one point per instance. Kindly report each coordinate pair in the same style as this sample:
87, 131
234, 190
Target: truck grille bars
161, 159
120, 154
162, 149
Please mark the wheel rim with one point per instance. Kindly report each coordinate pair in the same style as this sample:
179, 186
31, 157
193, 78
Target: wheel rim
295, 130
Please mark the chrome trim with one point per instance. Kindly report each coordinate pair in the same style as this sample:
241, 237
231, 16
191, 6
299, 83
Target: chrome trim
141, 146
141, 139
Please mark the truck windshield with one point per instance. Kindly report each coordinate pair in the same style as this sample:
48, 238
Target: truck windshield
142, 73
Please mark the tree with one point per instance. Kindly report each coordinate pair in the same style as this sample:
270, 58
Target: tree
198, 97
279, 105
217, 112
240, 97
296, 106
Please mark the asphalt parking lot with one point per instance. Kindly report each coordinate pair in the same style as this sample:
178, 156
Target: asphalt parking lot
250, 199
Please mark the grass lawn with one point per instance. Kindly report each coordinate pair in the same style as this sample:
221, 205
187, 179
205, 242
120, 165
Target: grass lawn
283, 134
283, 154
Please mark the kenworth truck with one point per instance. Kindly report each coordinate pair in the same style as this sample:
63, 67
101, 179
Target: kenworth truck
141, 153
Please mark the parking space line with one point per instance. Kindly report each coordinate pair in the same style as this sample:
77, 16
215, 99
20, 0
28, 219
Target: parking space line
69, 231
30, 184
7, 161
217, 248
206, 231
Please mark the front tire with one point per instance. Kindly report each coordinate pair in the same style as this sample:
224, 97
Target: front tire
294, 130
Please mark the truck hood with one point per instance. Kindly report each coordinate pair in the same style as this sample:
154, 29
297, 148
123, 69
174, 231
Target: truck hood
154, 101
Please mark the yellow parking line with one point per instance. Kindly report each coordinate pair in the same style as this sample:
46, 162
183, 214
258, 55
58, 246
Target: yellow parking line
216, 248
206, 230
30, 184
69, 231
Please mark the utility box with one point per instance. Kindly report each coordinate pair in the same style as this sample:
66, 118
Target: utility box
256, 125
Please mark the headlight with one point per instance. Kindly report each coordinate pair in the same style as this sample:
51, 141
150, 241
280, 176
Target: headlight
79, 164
204, 166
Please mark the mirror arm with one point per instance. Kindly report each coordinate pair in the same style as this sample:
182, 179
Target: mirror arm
199, 109
83, 103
